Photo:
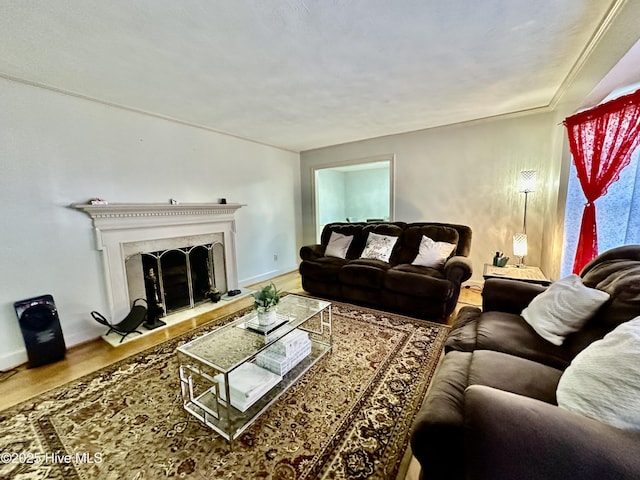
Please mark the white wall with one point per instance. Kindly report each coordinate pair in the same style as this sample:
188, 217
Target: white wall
367, 193
57, 149
330, 196
463, 174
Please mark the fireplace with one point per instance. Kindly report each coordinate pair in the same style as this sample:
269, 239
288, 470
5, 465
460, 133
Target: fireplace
175, 253
176, 273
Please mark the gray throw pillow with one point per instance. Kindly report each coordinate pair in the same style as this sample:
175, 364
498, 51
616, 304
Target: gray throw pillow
433, 254
338, 245
564, 308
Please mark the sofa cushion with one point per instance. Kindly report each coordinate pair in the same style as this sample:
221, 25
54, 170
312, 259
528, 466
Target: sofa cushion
503, 332
439, 425
417, 281
433, 254
603, 381
444, 405
563, 308
338, 245
324, 268
363, 272
513, 374
621, 280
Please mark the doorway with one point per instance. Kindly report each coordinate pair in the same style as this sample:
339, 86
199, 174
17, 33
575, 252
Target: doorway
354, 191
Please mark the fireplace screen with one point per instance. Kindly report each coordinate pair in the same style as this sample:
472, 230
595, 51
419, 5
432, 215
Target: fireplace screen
176, 278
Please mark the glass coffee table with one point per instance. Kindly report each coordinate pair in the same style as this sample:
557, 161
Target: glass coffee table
251, 364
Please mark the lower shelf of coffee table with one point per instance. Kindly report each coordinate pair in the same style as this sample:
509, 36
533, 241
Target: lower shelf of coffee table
230, 422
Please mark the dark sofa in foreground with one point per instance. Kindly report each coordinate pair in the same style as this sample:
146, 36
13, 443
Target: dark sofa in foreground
395, 283
492, 409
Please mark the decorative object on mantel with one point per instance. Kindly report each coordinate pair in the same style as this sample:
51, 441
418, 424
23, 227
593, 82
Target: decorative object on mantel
265, 300
98, 201
223, 201
173, 201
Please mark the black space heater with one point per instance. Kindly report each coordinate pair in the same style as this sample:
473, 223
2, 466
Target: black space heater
40, 325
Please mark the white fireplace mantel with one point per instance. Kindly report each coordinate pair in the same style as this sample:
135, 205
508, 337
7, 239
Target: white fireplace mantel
118, 224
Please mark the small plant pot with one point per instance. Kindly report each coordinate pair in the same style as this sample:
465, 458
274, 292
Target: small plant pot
266, 318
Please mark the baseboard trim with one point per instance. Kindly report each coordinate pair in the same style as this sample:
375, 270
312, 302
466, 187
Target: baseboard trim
13, 360
247, 282
20, 357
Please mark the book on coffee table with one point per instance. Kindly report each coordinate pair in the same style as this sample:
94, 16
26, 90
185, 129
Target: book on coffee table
254, 325
247, 384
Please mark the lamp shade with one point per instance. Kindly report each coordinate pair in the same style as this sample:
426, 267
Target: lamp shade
520, 244
527, 181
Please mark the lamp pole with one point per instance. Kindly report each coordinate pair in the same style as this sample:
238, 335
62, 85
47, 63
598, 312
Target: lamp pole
524, 219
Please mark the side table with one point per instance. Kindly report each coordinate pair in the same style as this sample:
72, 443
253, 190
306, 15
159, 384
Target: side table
524, 274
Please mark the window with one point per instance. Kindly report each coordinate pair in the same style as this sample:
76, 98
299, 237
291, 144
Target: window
617, 213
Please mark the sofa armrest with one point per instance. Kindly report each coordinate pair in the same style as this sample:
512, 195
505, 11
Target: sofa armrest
457, 269
510, 436
510, 296
312, 252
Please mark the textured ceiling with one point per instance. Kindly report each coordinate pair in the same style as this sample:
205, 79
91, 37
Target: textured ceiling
302, 74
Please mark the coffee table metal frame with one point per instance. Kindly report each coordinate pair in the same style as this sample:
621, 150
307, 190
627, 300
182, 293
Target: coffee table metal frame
223, 350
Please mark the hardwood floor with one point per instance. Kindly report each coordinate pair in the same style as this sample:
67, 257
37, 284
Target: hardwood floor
22, 383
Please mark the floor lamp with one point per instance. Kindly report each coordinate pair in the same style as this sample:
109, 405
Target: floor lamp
527, 184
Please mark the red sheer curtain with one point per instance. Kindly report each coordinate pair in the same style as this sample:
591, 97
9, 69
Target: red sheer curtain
601, 141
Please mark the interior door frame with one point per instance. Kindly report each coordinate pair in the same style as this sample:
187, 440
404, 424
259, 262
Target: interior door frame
390, 157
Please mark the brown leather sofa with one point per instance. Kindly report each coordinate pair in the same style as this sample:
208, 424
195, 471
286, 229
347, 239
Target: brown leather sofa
491, 411
396, 285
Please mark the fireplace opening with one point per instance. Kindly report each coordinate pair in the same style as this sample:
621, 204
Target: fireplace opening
176, 278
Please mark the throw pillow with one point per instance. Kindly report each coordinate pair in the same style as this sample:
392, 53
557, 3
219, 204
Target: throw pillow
379, 247
563, 308
603, 381
433, 254
338, 245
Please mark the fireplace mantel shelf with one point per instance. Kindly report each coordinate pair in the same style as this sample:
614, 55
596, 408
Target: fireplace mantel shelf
115, 210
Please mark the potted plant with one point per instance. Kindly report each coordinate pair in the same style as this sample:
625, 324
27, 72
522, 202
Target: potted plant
264, 302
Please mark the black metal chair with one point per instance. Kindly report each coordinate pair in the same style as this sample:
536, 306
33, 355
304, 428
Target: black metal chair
129, 324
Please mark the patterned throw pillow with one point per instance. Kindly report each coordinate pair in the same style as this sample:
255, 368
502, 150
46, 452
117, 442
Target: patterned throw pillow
379, 247
338, 245
433, 254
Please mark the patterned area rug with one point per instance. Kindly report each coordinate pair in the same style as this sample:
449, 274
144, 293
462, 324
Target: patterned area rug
349, 416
